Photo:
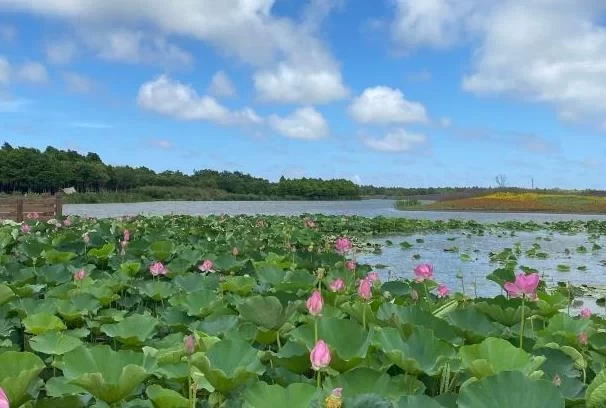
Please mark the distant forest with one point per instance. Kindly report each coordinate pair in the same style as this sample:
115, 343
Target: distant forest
29, 170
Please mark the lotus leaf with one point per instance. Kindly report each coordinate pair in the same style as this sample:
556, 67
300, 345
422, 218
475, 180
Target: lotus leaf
54, 343
165, 398
262, 395
229, 363
133, 330
43, 322
266, 311
18, 372
510, 389
495, 355
107, 374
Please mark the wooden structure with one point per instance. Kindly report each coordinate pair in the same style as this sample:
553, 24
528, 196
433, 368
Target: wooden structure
22, 208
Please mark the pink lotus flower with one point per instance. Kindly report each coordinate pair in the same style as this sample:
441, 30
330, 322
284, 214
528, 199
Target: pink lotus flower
235, 251
338, 285
583, 339
67, 222
443, 290
157, 268
343, 245
25, 229
365, 289
189, 343
372, 277
4, 402
85, 238
586, 313
350, 265
423, 271
320, 356
126, 235
206, 266
315, 303
524, 285
79, 275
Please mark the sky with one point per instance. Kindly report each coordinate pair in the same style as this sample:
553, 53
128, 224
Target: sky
384, 92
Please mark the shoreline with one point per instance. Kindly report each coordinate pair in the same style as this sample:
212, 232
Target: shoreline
496, 211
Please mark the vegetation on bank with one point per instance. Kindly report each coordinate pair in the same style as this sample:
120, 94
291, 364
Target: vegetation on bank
264, 312
518, 201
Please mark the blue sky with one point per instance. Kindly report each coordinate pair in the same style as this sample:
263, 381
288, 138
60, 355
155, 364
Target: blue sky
388, 92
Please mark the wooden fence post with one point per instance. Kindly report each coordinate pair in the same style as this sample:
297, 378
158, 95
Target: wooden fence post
58, 205
20, 209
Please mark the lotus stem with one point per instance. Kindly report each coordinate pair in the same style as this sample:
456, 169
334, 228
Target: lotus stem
319, 379
315, 330
364, 317
522, 322
278, 339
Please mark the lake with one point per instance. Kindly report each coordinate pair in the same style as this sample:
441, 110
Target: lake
366, 208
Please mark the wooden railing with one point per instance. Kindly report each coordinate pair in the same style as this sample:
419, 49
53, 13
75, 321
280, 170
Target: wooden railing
23, 208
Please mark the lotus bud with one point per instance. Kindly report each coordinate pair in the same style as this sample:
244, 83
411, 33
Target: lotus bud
189, 343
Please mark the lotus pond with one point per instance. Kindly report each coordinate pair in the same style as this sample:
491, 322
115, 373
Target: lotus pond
273, 311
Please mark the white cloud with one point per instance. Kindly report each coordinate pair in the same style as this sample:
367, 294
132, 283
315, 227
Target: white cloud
445, 122
384, 105
60, 52
288, 55
548, 51
304, 123
289, 83
132, 46
78, 83
221, 85
33, 72
395, 141
172, 98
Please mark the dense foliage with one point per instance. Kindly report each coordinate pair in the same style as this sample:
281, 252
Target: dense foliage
170, 312
34, 171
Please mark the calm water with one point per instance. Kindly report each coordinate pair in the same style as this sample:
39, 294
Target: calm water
367, 208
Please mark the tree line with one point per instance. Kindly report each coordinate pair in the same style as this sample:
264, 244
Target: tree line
29, 170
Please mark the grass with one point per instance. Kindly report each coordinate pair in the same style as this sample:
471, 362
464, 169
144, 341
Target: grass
519, 202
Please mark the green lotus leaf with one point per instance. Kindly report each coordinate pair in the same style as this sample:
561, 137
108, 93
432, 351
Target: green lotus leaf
194, 282
269, 273
156, 289
229, 363
262, 395
165, 398
502, 310
365, 380
78, 306
161, 250
475, 324
104, 252
560, 364
295, 280
200, 303
133, 330
103, 292
60, 387
494, 355
418, 401
241, 285
18, 371
293, 356
562, 324
266, 311
107, 374
53, 256
130, 268
421, 352
348, 341
54, 343
367, 401
412, 316
71, 401
510, 389
43, 322
595, 396
215, 325
6, 294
